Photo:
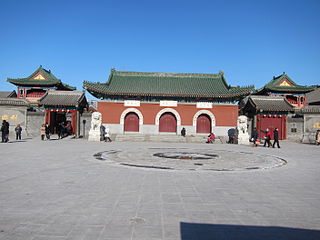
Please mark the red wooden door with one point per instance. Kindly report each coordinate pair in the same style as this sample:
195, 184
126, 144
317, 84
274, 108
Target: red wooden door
272, 123
168, 123
131, 122
203, 124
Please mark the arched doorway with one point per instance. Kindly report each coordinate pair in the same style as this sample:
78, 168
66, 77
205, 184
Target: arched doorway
131, 122
203, 124
167, 123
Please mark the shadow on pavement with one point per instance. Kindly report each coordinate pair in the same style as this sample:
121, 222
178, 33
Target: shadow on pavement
198, 231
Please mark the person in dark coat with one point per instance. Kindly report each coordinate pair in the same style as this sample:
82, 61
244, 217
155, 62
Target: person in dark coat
254, 136
60, 130
232, 135
47, 130
183, 132
276, 137
102, 133
4, 131
18, 131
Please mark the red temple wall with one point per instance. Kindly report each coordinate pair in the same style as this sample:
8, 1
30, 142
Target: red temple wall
225, 115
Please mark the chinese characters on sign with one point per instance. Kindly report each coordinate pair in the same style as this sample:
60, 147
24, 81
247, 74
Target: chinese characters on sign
168, 103
131, 103
204, 105
316, 125
9, 117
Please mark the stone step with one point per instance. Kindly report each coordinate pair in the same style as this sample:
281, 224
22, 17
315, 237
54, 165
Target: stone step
162, 138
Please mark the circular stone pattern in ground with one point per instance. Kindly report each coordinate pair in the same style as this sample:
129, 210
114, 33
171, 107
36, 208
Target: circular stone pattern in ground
190, 159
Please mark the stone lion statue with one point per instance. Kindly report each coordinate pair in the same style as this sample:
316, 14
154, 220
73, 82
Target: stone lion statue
242, 124
96, 120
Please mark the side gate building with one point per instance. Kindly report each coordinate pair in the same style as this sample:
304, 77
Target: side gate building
164, 103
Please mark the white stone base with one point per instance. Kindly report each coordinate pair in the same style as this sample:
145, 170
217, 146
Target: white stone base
94, 136
243, 139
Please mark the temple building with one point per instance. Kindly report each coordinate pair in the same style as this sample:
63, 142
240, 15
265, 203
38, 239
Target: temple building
32, 88
283, 85
275, 106
164, 103
267, 112
48, 95
63, 107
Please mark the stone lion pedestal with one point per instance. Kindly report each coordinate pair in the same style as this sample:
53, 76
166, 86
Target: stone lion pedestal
94, 133
242, 127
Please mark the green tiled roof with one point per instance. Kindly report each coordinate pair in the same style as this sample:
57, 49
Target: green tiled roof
122, 83
49, 80
274, 86
63, 98
267, 103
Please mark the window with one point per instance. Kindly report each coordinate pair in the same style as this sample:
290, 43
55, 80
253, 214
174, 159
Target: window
293, 130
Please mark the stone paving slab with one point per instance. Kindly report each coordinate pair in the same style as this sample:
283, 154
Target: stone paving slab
58, 190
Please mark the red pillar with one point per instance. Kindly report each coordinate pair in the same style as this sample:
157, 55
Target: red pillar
47, 120
74, 121
284, 124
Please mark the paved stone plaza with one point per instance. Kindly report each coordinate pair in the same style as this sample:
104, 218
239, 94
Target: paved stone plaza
75, 189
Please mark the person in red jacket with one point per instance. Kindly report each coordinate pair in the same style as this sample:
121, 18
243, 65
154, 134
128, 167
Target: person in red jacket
267, 138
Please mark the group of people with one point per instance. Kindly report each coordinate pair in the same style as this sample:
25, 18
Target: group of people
63, 130
5, 131
267, 138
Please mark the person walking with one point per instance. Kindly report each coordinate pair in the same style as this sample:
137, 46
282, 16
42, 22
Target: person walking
276, 137
42, 131
18, 131
267, 138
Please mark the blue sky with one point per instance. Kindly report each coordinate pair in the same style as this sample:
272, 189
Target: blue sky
251, 41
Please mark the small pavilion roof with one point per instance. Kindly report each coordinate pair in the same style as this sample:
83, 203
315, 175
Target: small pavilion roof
284, 84
197, 85
63, 98
41, 78
267, 103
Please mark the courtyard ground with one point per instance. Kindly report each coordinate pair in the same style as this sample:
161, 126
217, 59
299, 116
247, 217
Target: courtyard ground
58, 190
